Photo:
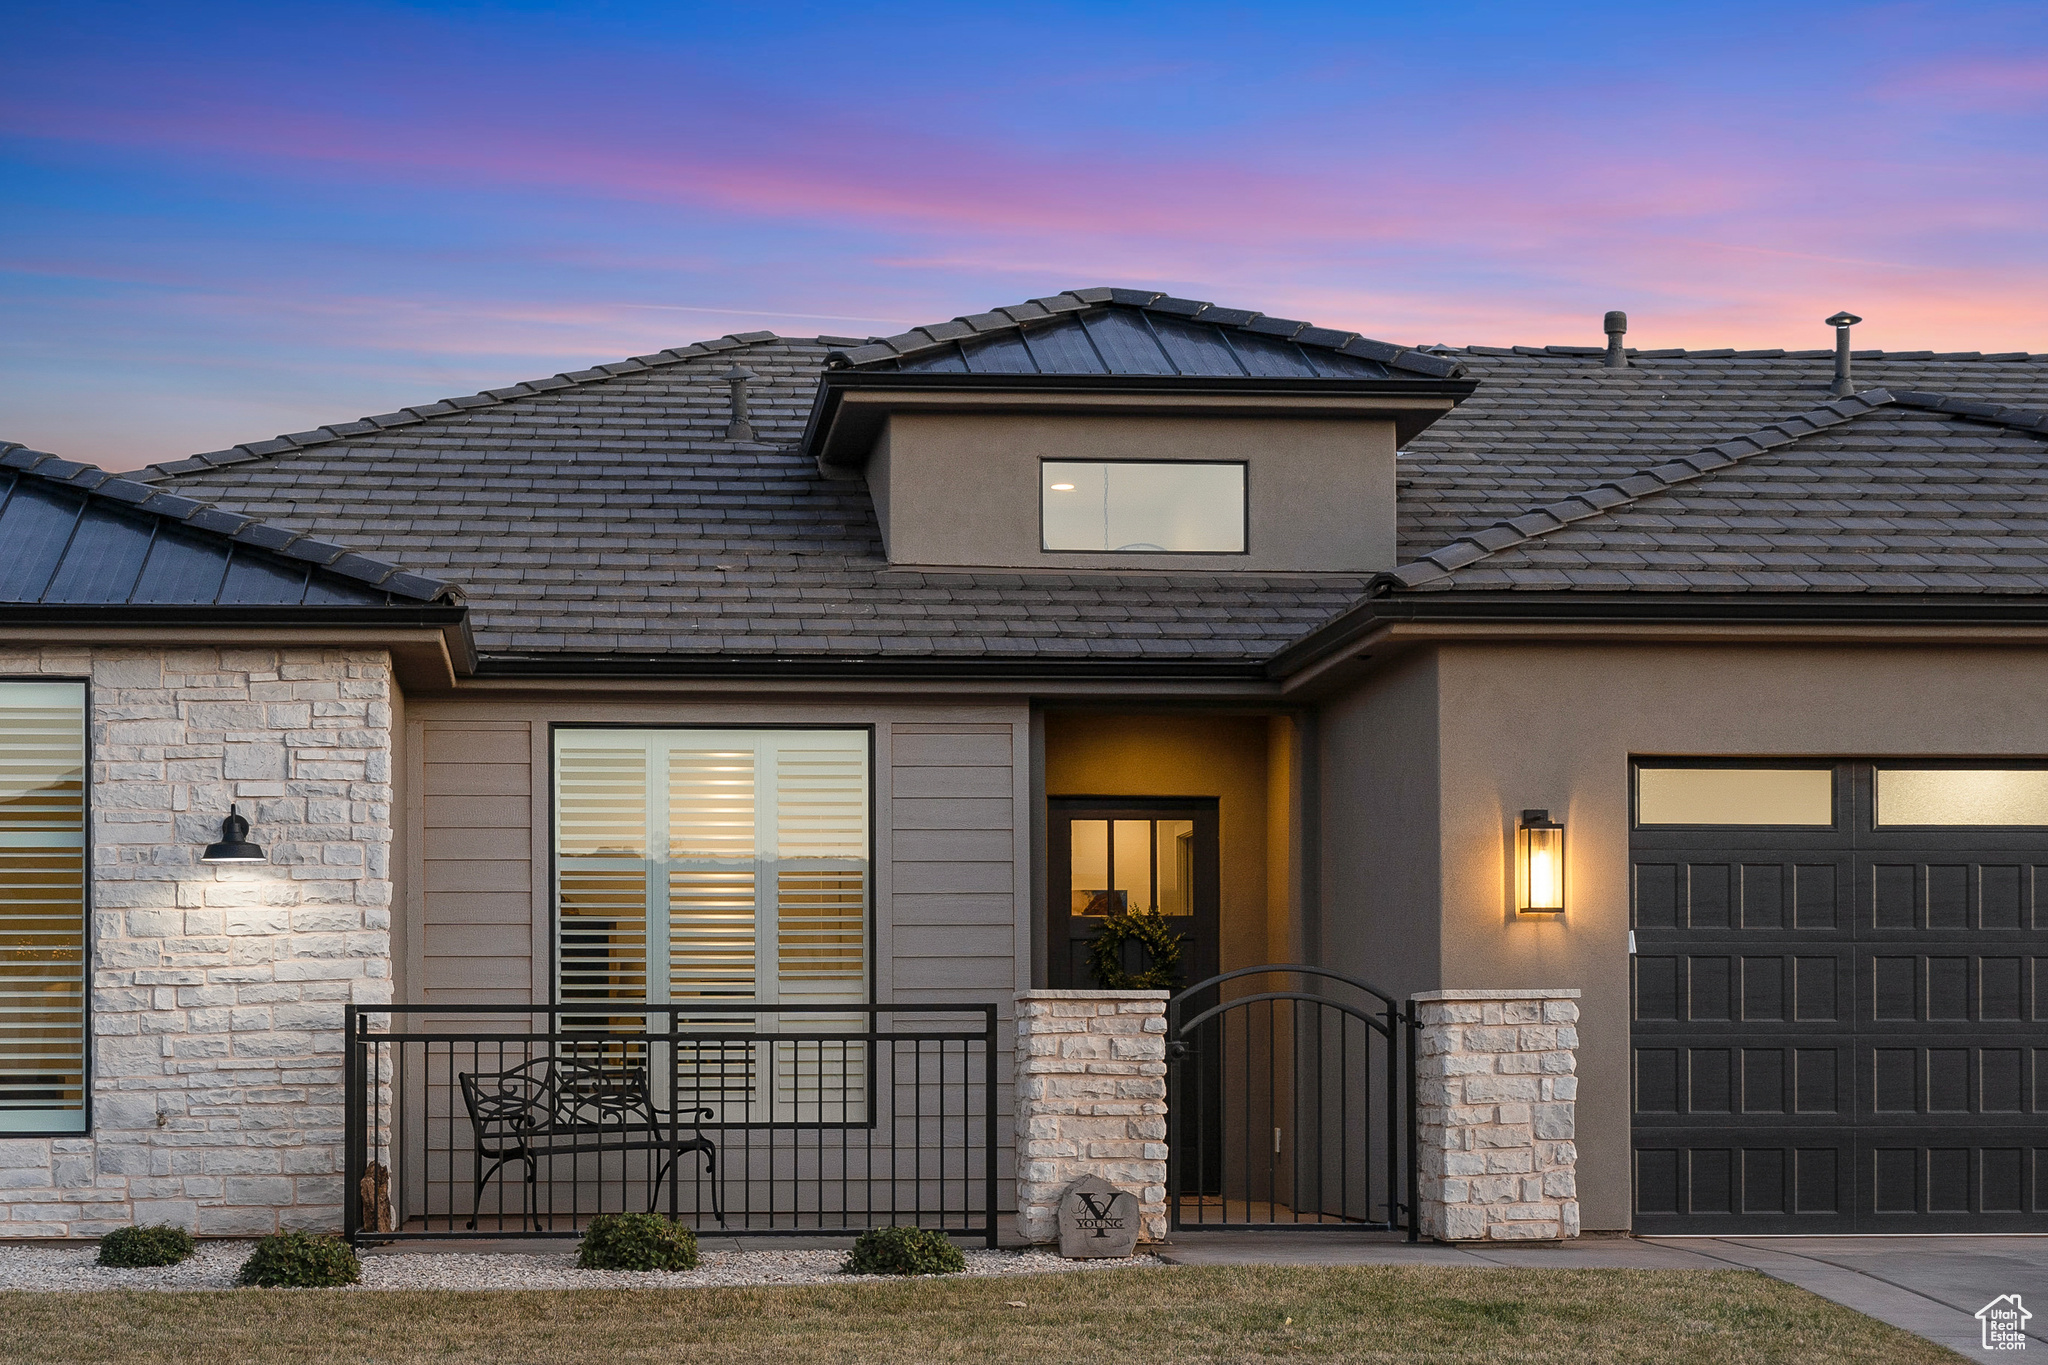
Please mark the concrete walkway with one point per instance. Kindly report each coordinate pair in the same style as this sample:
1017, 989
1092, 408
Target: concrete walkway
1930, 1286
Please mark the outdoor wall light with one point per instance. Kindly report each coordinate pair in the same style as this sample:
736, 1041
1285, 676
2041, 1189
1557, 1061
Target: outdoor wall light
234, 845
1539, 864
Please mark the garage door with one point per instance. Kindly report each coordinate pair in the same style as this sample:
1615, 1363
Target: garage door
1838, 999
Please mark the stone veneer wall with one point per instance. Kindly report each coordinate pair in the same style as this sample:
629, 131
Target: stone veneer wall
1497, 1092
1091, 1100
217, 991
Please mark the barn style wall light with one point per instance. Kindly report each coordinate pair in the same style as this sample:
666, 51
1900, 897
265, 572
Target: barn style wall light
234, 845
1539, 864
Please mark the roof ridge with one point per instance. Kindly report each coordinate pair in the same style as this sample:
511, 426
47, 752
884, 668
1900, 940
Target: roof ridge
208, 519
1731, 353
1973, 410
1608, 494
1015, 316
449, 407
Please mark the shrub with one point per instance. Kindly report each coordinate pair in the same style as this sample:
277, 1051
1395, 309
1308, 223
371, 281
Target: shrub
904, 1251
636, 1241
300, 1260
133, 1247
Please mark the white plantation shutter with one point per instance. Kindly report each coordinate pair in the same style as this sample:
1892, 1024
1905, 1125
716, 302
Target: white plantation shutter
759, 892
42, 907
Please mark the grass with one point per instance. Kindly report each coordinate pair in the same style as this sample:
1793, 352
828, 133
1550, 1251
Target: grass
1223, 1314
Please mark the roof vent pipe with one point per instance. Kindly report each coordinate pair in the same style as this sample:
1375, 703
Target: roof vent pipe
739, 428
1617, 328
1842, 322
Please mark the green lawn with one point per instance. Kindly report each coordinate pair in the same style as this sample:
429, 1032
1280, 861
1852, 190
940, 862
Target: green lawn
1224, 1314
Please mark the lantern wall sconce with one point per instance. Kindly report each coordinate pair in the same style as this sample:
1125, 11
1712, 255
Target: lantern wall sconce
1539, 864
234, 845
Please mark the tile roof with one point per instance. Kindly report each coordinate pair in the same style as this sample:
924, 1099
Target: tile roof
77, 535
606, 512
1907, 493
1139, 332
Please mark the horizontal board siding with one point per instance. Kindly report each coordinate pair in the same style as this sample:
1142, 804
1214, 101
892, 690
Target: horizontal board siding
479, 833
953, 850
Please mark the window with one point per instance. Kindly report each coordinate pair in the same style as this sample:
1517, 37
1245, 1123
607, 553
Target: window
1140, 506
1137, 866
1962, 796
1734, 796
726, 865
42, 907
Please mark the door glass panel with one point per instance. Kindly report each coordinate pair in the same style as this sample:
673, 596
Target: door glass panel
1735, 796
1962, 796
1131, 847
1090, 877
1175, 844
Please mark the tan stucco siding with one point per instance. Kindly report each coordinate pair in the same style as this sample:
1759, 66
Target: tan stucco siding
962, 488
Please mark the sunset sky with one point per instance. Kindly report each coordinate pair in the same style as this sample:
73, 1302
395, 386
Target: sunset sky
228, 221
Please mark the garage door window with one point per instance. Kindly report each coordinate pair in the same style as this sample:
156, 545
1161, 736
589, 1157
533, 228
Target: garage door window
2003, 797
1734, 796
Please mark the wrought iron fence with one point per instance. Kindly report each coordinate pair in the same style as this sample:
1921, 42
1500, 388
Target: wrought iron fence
1290, 1108
780, 1120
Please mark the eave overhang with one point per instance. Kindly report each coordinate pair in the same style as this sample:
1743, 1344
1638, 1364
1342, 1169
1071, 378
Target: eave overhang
852, 406
1412, 617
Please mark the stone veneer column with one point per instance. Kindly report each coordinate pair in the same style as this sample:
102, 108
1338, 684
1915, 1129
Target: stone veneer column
1091, 1100
217, 991
1497, 1091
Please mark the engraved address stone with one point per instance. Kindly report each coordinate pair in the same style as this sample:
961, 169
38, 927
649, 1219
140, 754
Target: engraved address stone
1097, 1220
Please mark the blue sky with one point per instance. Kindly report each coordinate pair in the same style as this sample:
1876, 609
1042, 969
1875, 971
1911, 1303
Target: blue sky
232, 220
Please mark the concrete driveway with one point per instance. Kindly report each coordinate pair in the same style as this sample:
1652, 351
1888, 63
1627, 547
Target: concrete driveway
1931, 1286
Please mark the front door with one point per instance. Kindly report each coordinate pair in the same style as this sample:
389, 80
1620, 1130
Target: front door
1136, 854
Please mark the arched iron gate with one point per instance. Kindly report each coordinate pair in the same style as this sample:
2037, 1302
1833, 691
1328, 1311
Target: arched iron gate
1291, 1108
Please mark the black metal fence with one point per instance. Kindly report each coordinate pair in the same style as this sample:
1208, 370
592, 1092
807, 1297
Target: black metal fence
784, 1119
1290, 1108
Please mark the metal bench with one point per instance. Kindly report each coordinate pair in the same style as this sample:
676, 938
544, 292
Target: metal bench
556, 1106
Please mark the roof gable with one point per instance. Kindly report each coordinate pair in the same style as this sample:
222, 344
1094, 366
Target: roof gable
77, 535
1135, 332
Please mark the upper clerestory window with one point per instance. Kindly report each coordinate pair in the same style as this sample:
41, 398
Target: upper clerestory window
1142, 506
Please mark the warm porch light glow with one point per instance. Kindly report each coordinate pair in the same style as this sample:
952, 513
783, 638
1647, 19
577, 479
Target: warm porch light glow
1539, 864
1063, 488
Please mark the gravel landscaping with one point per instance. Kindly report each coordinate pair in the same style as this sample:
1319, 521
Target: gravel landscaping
215, 1264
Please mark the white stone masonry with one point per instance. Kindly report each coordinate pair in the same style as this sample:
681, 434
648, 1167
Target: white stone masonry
217, 991
1091, 1100
1497, 1092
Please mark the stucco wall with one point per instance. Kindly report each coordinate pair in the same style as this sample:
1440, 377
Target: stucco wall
217, 991
1554, 726
961, 488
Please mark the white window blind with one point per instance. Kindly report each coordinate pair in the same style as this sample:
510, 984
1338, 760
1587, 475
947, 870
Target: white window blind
723, 865
42, 907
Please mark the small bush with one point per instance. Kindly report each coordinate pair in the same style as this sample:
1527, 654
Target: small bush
300, 1260
636, 1241
130, 1248
904, 1251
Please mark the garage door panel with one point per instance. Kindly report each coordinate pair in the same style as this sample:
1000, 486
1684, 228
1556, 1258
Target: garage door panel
1841, 1030
1793, 1184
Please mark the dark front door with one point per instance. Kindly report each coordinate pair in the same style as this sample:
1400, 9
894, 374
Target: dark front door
1838, 1024
1142, 854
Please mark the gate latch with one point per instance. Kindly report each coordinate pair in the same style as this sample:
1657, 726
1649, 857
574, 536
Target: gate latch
1176, 1049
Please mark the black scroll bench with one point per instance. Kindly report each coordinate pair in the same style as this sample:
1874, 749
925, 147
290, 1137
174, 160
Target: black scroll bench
554, 1107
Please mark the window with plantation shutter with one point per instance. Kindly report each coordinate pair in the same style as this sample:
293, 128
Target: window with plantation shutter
726, 865
42, 907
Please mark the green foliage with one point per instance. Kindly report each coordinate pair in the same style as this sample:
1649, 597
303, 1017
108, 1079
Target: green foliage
904, 1251
636, 1241
301, 1260
129, 1248
1149, 929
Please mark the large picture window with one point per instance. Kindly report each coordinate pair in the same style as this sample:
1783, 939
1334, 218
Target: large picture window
727, 865
42, 907
1142, 506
